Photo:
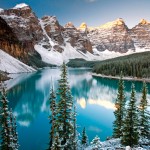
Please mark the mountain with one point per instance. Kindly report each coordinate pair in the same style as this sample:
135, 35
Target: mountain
141, 35
38, 42
113, 36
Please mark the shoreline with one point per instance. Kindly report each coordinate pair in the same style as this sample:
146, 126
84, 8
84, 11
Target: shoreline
124, 78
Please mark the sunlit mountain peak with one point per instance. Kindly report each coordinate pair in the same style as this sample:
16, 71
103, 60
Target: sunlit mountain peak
117, 22
144, 22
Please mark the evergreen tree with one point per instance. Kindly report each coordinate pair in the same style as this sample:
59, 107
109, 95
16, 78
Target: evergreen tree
52, 100
13, 131
75, 138
64, 121
6, 138
130, 129
84, 140
144, 116
56, 145
120, 109
96, 143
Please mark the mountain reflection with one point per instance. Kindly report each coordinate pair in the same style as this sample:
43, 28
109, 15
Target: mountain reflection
94, 96
30, 97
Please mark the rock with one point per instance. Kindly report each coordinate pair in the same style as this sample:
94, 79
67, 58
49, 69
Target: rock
70, 25
144, 22
53, 29
141, 34
10, 43
112, 36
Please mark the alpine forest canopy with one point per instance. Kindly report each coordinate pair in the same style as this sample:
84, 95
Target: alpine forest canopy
135, 65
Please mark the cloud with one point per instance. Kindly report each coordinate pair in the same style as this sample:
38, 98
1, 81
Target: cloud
95, 129
90, 1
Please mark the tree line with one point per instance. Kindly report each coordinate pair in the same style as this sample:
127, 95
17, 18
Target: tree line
135, 65
132, 121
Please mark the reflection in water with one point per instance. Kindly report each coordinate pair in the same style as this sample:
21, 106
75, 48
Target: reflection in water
95, 104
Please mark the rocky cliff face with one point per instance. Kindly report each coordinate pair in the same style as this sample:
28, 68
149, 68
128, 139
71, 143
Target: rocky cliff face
59, 35
10, 43
113, 36
141, 34
77, 39
24, 24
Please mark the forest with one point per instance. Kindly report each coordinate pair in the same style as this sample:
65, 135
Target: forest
135, 65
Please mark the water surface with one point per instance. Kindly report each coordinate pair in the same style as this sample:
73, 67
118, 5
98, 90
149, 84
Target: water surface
94, 96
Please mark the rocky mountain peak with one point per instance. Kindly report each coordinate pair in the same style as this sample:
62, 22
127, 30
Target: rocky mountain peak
117, 22
69, 25
83, 25
144, 22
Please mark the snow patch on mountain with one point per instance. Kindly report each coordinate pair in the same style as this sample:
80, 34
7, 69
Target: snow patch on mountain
45, 33
54, 57
11, 65
57, 58
1, 10
20, 6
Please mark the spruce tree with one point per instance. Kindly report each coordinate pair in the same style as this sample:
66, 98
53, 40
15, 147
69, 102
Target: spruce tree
96, 143
130, 129
120, 109
13, 131
64, 119
84, 140
144, 126
52, 117
75, 138
56, 145
6, 138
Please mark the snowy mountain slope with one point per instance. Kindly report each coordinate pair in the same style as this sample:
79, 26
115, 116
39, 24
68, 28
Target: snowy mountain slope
12, 65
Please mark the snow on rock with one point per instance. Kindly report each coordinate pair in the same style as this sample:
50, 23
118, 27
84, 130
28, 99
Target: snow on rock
57, 58
11, 65
128, 148
20, 6
112, 144
1, 9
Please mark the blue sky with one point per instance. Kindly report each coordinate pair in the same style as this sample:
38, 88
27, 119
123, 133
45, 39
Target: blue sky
93, 12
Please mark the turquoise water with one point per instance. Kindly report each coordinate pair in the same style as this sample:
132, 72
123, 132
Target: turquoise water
29, 93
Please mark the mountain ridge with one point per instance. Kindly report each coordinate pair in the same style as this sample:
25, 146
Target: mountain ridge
53, 43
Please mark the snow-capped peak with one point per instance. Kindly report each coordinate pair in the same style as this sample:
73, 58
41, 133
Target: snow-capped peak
20, 6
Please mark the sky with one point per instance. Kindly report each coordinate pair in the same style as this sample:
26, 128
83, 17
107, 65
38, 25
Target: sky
92, 12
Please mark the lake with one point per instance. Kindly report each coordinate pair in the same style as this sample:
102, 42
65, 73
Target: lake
28, 95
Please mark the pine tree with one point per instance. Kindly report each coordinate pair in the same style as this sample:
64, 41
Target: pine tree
13, 131
6, 138
96, 143
130, 129
52, 118
144, 116
120, 109
84, 140
64, 119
